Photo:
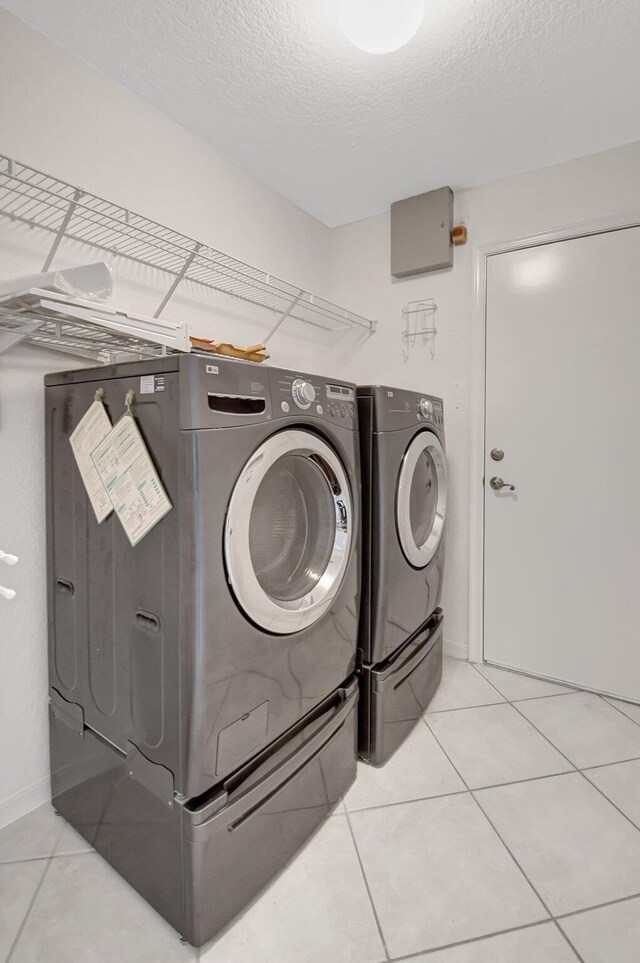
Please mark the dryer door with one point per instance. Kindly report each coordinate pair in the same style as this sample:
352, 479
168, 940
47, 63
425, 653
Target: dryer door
288, 531
421, 498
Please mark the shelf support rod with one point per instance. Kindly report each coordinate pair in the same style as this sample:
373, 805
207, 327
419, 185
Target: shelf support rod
62, 229
185, 267
283, 317
16, 335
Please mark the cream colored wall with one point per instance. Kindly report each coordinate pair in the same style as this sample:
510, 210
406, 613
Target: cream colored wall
597, 186
62, 116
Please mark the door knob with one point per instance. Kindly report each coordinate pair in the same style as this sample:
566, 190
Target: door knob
498, 484
497, 454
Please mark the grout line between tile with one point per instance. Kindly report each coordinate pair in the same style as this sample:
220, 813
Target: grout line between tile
503, 702
616, 762
610, 801
366, 883
618, 709
488, 680
27, 859
516, 782
574, 768
28, 913
515, 929
459, 792
477, 939
436, 712
480, 807
79, 852
542, 902
567, 940
406, 802
572, 690
590, 909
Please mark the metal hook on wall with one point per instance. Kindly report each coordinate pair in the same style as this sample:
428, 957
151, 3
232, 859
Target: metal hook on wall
419, 325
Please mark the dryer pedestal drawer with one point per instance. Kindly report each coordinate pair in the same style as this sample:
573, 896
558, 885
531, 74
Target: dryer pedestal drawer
395, 693
199, 862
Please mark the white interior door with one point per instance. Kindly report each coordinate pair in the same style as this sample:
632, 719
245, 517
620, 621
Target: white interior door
562, 551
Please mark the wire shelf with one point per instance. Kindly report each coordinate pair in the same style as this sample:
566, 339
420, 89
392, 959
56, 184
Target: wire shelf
92, 331
39, 200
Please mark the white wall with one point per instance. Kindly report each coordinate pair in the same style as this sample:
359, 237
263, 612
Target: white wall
58, 114
64, 117
565, 194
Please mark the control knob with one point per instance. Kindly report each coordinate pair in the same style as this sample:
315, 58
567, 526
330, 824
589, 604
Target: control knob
426, 407
303, 393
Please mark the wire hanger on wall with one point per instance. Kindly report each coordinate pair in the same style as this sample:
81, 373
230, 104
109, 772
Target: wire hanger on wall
419, 317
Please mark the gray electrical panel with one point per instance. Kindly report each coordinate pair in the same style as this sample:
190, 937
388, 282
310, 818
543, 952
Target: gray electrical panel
421, 233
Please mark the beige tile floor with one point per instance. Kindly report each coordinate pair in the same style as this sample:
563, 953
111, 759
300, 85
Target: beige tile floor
505, 830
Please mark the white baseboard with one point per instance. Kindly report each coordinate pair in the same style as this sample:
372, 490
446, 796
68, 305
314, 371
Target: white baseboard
29, 798
458, 650
23, 801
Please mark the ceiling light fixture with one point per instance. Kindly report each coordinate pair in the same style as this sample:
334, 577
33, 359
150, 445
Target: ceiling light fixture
380, 26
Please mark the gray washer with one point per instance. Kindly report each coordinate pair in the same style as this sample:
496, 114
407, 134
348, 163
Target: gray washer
232, 625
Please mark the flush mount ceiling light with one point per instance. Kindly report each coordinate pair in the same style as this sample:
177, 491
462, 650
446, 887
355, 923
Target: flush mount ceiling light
380, 26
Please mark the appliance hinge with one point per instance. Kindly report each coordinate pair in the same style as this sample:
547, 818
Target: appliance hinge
154, 777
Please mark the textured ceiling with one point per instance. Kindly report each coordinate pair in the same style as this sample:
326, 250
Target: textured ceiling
486, 89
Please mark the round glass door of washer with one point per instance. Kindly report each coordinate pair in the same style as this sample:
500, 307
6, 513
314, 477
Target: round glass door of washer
421, 500
288, 531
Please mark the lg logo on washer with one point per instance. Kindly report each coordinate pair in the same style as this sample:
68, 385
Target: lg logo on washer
212, 369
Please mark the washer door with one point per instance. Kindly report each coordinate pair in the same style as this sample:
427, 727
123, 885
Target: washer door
288, 531
422, 498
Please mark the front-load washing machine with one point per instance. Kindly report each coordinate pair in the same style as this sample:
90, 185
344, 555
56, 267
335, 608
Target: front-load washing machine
201, 681
404, 479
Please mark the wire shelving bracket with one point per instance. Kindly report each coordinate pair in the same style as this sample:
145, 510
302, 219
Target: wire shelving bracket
39, 200
419, 318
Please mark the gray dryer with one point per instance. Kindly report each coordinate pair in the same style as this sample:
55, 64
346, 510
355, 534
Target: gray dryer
404, 495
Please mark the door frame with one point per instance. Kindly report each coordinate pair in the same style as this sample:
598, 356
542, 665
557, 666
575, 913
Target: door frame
482, 253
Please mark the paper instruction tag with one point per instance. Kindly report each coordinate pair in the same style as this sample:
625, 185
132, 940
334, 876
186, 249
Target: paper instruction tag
92, 428
132, 483
147, 385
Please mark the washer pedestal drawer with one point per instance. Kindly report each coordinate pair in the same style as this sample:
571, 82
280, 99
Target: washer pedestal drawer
395, 693
200, 861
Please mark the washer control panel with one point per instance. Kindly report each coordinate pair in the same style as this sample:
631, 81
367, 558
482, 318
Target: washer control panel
392, 409
430, 410
340, 401
311, 395
303, 393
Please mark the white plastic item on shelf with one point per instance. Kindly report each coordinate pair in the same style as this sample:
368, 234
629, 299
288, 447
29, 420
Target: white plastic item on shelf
91, 282
68, 323
8, 559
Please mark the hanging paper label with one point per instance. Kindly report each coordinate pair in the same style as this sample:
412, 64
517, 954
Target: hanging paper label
128, 474
92, 428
